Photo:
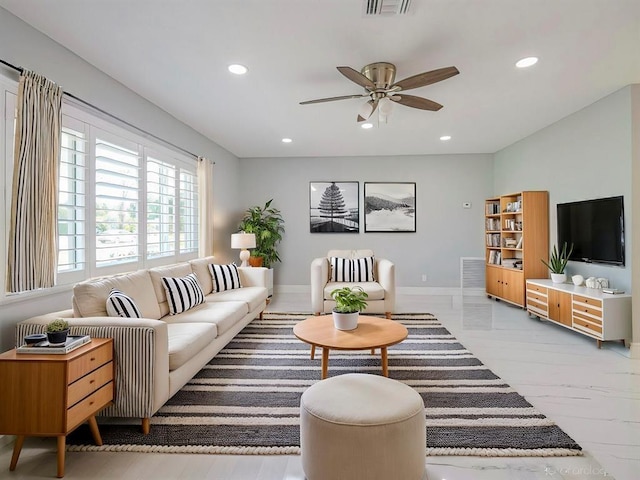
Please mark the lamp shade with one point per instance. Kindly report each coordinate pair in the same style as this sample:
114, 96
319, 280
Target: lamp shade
243, 240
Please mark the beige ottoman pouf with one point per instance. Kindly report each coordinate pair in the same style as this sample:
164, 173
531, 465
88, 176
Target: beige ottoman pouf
362, 427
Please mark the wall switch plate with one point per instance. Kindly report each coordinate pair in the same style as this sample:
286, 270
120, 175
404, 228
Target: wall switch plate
424, 277
466, 205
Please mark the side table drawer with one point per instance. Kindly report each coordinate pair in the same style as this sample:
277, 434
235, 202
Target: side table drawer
89, 406
79, 367
89, 384
537, 288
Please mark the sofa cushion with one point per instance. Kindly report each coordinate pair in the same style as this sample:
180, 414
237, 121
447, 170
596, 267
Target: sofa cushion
363, 269
122, 305
90, 297
341, 269
225, 277
224, 315
251, 296
187, 340
156, 274
183, 293
200, 267
373, 289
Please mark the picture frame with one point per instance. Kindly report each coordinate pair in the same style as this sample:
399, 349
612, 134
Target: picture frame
334, 207
389, 207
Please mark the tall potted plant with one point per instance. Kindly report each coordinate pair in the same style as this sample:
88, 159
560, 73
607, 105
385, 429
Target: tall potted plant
350, 301
268, 226
558, 262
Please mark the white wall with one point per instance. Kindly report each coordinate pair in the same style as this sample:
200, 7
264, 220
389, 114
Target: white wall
445, 231
585, 155
21, 45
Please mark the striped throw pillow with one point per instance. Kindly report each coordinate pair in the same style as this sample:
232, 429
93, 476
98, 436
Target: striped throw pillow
225, 277
121, 305
363, 269
341, 269
183, 293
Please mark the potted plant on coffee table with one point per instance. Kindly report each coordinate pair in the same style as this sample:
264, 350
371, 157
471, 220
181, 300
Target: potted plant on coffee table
350, 301
558, 262
57, 331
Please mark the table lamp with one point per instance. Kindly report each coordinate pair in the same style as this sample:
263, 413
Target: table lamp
243, 241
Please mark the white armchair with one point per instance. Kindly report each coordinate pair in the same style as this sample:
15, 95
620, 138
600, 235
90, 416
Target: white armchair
381, 291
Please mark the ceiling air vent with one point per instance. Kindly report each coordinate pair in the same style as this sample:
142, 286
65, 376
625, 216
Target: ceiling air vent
386, 7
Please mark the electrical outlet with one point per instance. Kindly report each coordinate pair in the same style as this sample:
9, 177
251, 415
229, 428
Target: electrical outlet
424, 277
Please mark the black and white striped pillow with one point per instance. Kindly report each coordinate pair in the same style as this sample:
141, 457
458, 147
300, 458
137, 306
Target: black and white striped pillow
183, 293
341, 269
121, 305
225, 277
363, 269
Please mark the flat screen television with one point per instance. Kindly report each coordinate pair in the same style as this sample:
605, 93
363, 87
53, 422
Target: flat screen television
595, 228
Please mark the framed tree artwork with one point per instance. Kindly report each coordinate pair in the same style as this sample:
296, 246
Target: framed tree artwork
334, 207
389, 207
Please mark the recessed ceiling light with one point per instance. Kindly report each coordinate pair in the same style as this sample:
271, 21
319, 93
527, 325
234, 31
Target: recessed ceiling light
444, 138
367, 125
238, 69
286, 140
526, 62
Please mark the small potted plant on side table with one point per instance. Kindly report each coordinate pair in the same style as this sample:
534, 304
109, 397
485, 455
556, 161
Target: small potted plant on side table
350, 301
57, 331
558, 262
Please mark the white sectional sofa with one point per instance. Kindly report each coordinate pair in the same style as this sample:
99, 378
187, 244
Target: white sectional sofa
158, 354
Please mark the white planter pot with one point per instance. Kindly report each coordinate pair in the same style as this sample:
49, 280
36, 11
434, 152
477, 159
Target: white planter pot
558, 277
345, 321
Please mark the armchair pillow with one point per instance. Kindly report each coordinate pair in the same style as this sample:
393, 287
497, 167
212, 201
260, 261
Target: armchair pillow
183, 293
121, 305
363, 269
225, 277
341, 269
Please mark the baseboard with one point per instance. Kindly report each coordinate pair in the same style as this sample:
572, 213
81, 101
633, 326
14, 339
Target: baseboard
451, 291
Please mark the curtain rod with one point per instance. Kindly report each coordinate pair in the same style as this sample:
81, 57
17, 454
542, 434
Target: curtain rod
84, 102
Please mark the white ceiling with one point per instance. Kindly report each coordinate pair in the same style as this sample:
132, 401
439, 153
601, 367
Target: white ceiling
175, 53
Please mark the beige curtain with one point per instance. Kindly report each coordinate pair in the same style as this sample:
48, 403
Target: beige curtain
33, 232
205, 206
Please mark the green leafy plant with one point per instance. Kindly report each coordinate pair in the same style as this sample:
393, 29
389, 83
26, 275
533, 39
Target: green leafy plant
57, 325
558, 261
268, 226
349, 300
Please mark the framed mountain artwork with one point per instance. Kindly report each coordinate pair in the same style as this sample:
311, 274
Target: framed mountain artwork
389, 207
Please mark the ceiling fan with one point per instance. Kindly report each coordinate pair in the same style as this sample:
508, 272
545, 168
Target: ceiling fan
378, 81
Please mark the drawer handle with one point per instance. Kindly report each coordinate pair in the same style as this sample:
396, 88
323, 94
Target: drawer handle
90, 403
91, 381
92, 359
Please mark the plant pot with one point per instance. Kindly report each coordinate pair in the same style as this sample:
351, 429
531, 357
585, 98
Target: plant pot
256, 261
345, 321
558, 277
57, 338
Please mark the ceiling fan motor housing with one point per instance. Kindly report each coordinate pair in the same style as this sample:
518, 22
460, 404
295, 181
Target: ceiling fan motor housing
382, 74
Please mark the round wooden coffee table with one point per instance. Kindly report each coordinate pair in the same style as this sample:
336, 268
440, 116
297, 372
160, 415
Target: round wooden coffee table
371, 333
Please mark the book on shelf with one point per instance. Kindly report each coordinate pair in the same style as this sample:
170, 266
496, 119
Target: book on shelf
519, 244
73, 342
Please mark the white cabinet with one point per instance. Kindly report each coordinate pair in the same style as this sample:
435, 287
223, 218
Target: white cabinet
602, 316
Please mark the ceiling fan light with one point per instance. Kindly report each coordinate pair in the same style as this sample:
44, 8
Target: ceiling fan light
385, 107
527, 62
366, 109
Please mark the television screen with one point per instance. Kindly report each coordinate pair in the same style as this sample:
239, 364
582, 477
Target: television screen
595, 228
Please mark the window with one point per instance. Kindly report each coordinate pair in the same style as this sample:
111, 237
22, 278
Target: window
161, 217
188, 212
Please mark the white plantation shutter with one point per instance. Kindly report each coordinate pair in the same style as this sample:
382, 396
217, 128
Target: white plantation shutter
161, 208
117, 201
189, 232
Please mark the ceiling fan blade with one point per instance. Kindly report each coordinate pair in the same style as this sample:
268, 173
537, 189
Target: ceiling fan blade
356, 77
373, 104
426, 78
416, 102
331, 99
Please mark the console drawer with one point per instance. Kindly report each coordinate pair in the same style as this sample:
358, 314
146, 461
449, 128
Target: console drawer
593, 302
537, 288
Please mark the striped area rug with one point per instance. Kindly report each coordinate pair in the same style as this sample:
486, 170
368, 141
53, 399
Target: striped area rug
246, 400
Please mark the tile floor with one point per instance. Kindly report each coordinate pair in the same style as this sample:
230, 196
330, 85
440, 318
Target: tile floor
594, 395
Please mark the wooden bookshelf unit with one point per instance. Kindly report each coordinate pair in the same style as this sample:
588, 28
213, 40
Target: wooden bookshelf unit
516, 240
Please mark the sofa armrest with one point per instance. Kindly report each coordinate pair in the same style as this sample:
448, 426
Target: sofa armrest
387, 280
253, 276
319, 278
141, 349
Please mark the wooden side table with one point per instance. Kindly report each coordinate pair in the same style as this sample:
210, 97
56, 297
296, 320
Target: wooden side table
49, 395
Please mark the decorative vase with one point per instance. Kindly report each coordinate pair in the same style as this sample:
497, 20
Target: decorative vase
345, 321
57, 338
558, 277
256, 261
577, 280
